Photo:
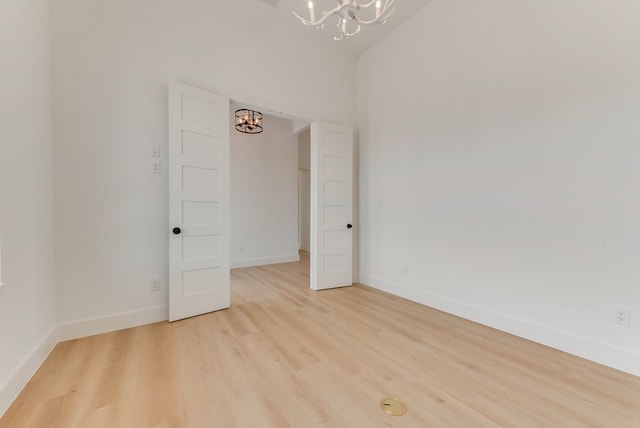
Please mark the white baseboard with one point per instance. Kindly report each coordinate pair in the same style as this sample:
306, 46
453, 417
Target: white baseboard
119, 321
608, 355
264, 261
72, 330
10, 389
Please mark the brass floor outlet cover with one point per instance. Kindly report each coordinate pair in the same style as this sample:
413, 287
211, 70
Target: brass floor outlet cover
392, 406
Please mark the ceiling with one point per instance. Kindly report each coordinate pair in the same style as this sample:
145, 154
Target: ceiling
369, 36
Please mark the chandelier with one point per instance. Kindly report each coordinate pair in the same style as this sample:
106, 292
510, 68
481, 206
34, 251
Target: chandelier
347, 12
248, 121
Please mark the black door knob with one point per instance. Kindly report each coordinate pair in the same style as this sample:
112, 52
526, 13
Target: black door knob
349, 226
176, 231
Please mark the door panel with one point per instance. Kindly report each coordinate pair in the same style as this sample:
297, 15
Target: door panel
199, 202
331, 206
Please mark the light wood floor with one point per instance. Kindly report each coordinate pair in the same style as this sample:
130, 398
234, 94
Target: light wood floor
285, 356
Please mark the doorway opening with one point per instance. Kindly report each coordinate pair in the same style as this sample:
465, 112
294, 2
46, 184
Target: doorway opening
270, 191
200, 200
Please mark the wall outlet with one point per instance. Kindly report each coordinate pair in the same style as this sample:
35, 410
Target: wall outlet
622, 317
156, 285
155, 151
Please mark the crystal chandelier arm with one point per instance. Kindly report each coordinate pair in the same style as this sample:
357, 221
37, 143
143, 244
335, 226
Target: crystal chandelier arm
319, 22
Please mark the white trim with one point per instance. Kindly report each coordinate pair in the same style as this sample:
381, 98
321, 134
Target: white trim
17, 380
89, 327
14, 384
602, 353
264, 261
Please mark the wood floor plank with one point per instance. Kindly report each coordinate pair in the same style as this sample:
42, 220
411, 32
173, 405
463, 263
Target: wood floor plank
286, 356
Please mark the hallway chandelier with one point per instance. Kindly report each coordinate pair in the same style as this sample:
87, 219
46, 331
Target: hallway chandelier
248, 121
347, 11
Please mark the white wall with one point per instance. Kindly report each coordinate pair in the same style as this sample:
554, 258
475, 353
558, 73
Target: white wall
27, 314
112, 62
264, 194
304, 149
499, 147
304, 188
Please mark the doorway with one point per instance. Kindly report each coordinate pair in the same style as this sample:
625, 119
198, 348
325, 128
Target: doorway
265, 207
200, 130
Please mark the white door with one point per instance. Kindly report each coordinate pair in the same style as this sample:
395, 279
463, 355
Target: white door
331, 206
198, 202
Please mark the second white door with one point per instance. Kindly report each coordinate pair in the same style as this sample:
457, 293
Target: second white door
331, 206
